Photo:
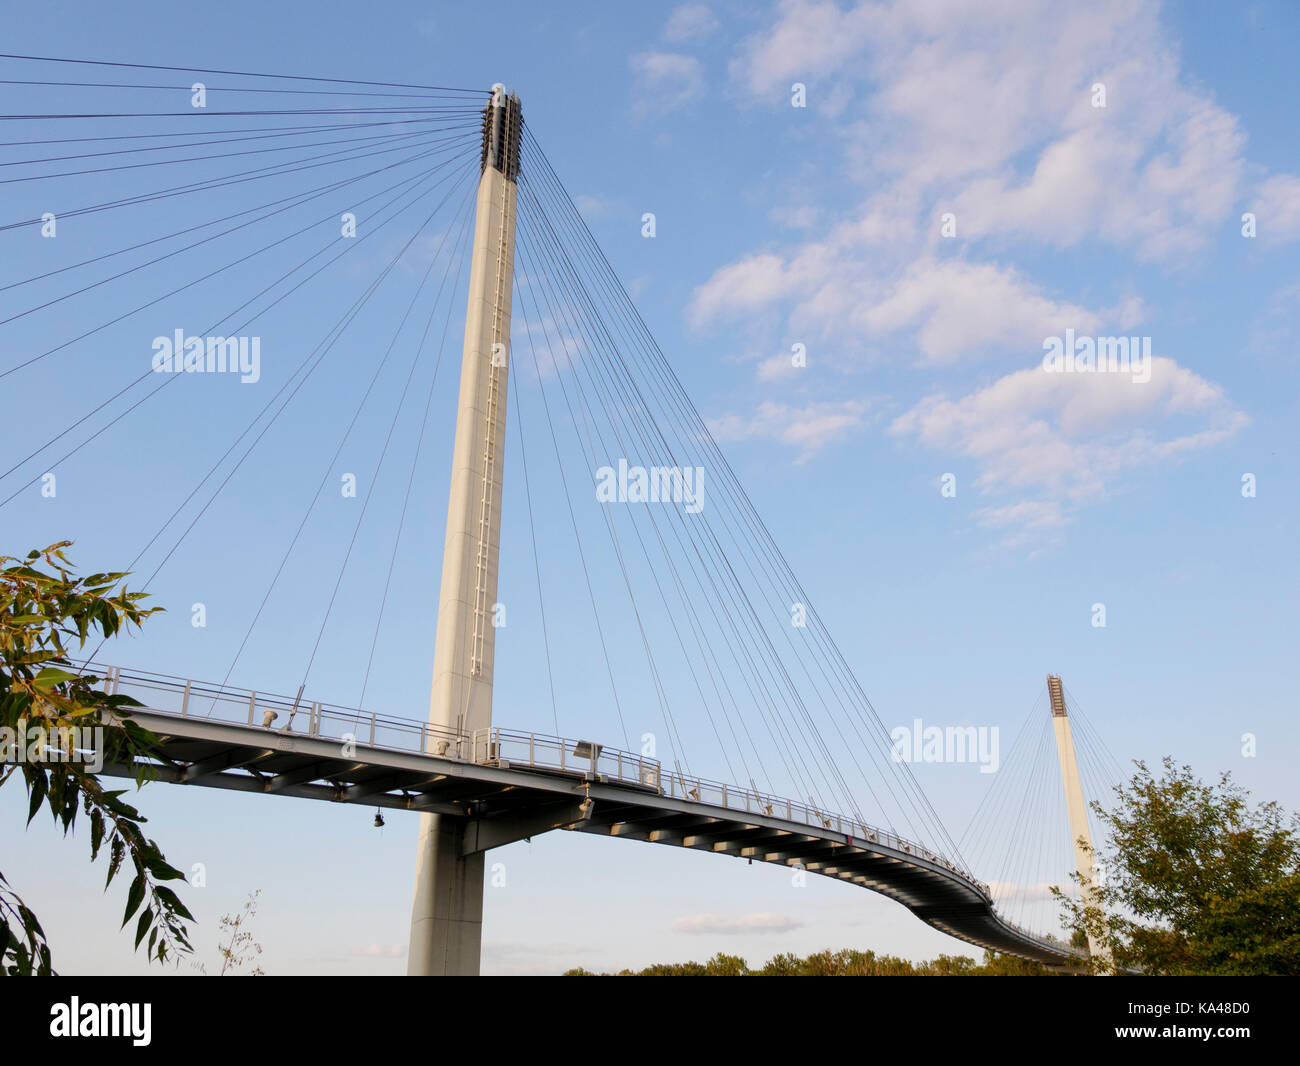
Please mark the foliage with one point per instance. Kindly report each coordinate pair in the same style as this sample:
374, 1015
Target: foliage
1196, 880
44, 613
843, 963
239, 949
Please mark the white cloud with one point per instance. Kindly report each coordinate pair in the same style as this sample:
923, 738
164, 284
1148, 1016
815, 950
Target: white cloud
690, 22
777, 367
808, 428
807, 38
962, 307
754, 281
986, 111
1041, 890
1277, 209
955, 308
547, 347
1057, 440
591, 206
801, 216
992, 103
667, 80
717, 925
1162, 195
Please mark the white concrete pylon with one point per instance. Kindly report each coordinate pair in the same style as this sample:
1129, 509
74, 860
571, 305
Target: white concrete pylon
1078, 815
447, 912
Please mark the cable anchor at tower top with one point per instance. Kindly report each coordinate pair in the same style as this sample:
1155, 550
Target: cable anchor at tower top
503, 124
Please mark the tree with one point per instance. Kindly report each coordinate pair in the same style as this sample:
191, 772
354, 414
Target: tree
843, 963
722, 965
1197, 881
51, 716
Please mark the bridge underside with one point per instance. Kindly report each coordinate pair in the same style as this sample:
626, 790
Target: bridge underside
502, 804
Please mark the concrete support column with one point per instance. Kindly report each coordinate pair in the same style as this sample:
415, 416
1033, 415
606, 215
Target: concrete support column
447, 912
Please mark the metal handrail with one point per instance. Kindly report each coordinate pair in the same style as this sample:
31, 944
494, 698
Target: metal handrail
537, 750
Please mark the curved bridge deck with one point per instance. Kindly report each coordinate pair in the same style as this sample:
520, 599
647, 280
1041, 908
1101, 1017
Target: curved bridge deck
513, 785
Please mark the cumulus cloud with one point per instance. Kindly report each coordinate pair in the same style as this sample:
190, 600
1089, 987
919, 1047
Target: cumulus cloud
753, 282
690, 22
806, 37
553, 346
777, 367
994, 105
960, 307
591, 206
1060, 439
808, 428
667, 80
717, 925
986, 112
1277, 209
1041, 890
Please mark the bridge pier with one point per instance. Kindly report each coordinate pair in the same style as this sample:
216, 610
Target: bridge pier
447, 912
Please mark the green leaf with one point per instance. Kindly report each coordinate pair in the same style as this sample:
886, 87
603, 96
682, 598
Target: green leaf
51, 676
134, 897
170, 898
38, 785
96, 833
142, 927
115, 853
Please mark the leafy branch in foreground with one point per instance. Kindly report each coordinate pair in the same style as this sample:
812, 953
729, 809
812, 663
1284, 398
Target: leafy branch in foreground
57, 731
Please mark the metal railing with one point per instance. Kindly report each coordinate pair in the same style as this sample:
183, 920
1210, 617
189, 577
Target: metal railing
186, 698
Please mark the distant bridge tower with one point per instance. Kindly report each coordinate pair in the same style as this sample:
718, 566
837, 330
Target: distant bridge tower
1078, 813
447, 912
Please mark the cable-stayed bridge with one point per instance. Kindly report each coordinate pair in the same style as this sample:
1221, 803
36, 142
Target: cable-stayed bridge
671, 602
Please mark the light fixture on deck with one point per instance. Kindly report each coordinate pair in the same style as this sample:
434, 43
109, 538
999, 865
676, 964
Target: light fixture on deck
379, 819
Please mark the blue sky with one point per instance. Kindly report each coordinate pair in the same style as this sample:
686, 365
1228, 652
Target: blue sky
775, 225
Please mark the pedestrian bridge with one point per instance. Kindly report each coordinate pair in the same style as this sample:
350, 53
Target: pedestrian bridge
510, 785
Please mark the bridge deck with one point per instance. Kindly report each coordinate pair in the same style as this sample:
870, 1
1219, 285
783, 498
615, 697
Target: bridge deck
510, 785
